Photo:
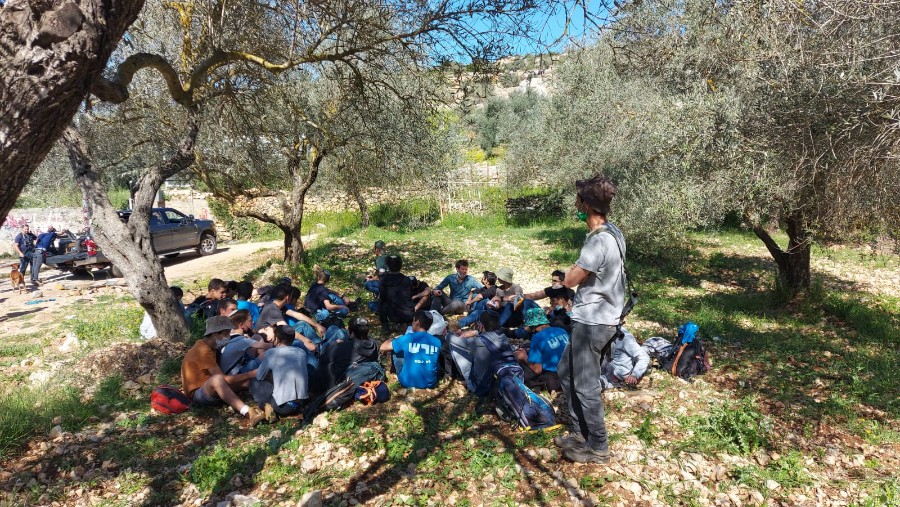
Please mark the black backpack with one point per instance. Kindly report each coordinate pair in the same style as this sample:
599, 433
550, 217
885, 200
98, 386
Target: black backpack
688, 358
335, 398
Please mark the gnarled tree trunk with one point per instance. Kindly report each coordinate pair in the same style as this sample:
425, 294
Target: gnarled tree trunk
794, 262
129, 246
50, 54
356, 193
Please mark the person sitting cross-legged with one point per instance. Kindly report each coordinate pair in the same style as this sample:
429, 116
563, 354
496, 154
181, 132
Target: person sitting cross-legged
395, 304
281, 384
460, 284
472, 356
627, 365
542, 357
202, 380
416, 355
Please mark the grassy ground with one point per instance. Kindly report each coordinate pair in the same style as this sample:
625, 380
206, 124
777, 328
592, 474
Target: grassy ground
801, 406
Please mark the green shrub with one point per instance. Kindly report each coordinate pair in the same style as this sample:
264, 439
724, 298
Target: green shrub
407, 215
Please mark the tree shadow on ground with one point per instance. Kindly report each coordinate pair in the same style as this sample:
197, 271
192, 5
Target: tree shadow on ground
465, 448
809, 358
13, 315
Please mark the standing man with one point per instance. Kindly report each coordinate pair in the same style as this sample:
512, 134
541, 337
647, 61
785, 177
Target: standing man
24, 244
43, 244
599, 274
460, 285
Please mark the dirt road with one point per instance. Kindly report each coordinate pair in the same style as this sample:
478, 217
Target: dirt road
41, 308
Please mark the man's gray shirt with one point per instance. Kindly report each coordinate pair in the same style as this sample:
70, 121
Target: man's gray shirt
289, 375
601, 296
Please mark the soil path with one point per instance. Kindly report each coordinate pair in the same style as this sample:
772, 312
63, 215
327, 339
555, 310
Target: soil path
41, 308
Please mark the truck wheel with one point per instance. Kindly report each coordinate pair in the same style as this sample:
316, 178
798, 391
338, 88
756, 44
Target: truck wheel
80, 271
207, 245
115, 272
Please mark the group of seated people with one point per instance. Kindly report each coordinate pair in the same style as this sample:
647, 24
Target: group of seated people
279, 349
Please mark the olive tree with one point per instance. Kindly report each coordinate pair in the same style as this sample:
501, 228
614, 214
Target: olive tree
816, 87
50, 54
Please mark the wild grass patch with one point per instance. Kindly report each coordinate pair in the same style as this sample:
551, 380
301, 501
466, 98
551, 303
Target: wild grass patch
788, 471
737, 428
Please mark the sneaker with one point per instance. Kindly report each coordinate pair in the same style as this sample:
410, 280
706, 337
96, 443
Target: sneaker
255, 416
585, 454
269, 410
569, 440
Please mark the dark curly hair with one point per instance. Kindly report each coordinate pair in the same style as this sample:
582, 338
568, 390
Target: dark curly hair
597, 192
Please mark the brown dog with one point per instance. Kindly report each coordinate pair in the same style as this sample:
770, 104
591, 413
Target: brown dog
18, 281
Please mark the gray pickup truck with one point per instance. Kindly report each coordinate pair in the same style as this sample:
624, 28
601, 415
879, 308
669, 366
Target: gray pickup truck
170, 230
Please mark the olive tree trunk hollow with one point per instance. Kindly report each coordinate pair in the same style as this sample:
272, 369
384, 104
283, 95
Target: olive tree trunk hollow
128, 245
794, 262
50, 54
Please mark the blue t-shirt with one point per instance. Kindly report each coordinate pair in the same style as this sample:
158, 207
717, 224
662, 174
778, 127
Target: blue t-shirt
420, 364
25, 241
45, 240
459, 290
547, 347
253, 308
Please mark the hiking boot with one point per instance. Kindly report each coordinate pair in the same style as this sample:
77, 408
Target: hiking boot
568, 441
584, 454
255, 416
269, 410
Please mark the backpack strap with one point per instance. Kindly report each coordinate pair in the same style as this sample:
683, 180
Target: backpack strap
629, 288
678, 357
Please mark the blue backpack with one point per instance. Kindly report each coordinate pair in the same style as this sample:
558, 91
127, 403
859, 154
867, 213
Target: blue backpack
515, 401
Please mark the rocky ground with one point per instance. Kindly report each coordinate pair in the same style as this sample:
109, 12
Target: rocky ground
674, 442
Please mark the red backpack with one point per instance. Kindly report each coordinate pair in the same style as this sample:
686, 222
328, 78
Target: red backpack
169, 400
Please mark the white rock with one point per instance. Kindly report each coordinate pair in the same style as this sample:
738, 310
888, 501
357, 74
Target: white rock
70, 343
322, 421
309, 466
242, 500
772, 485
56, 432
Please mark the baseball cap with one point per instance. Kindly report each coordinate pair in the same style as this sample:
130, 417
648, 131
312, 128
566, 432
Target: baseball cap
379, 244
217, 324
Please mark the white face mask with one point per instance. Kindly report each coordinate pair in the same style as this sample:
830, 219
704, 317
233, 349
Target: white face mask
556, 286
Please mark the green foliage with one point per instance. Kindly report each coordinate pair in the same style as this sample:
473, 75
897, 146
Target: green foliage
108, 327
30, 410
241, 228
646, 432
407, 215
787, 470
118, 197
738, 428
213, 470
882, 494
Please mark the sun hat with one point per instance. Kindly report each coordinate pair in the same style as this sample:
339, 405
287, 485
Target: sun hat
217, 324
535, 317
505, 275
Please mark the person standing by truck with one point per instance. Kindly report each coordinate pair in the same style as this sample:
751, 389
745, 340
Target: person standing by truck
24, 243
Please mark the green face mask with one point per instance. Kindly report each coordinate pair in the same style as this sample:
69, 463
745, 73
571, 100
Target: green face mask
582, 215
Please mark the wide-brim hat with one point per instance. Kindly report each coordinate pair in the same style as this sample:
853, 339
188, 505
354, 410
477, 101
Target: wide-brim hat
505, 274
535, 317
217, 324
